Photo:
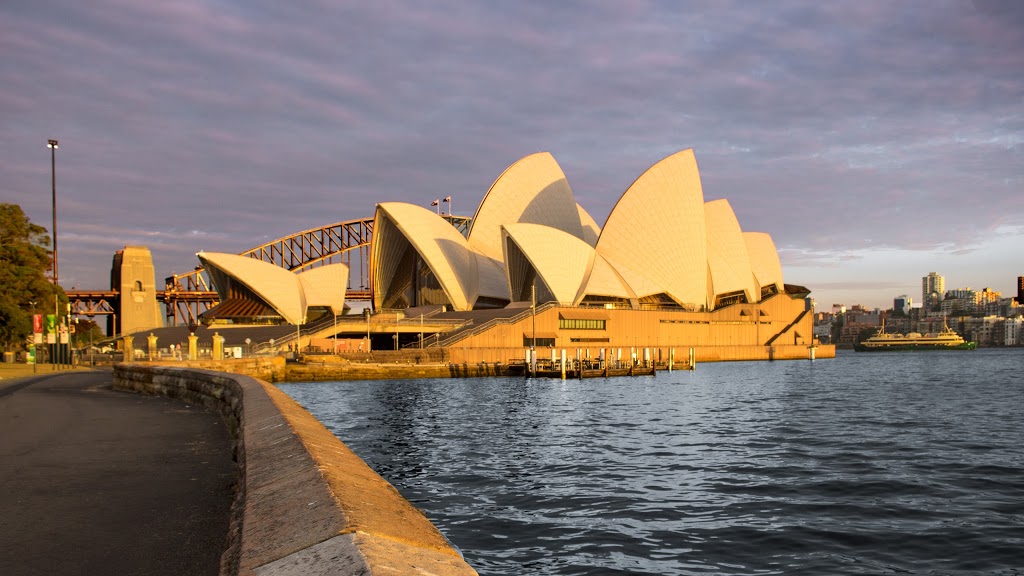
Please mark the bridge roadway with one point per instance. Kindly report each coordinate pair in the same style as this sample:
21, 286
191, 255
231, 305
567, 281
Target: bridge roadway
94, 481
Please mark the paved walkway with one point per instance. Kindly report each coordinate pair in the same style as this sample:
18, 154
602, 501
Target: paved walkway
94, 481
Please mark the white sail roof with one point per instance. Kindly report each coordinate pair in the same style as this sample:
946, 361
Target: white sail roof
491, 281
605, 281
764, 260
279, 288
655, 236
533, 190
591, 231
728, 262
559, 259
325, 286
444, 250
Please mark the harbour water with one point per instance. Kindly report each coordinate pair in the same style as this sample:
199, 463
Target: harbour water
863, 464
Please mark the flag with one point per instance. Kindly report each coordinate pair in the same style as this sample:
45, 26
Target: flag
434, 203
447, 198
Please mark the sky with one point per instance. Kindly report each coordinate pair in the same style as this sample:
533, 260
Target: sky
876, 141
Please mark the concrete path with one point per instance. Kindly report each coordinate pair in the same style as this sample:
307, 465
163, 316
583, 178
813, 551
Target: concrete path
94, 481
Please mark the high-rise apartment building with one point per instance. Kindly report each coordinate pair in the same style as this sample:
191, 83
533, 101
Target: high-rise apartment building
1020, 290
933, 287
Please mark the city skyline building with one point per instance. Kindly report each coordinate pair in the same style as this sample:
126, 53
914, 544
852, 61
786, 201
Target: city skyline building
932, 288
903, 303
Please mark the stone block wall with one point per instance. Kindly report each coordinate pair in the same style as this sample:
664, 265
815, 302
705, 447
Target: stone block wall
268, 368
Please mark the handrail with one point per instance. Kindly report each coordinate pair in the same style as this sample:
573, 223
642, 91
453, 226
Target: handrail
297, 335
494, 322
415, 320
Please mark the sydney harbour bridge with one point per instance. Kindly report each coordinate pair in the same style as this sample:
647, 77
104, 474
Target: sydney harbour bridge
188, 295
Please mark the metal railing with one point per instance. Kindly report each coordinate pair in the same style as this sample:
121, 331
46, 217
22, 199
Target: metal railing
494, 322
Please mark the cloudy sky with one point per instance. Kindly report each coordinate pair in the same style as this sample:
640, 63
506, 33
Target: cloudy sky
875, 141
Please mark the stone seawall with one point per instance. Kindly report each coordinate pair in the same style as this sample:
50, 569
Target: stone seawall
324, 368
305, 503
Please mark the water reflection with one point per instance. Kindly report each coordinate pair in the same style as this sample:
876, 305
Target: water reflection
743, 468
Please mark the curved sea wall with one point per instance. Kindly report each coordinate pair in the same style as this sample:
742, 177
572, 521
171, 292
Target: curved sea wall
305, 503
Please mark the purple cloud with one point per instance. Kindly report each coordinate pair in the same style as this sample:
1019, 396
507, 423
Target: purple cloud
837, 128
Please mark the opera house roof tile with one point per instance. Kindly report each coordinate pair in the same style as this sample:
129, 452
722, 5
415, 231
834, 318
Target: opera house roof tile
655, 236
289, 294
728, 262
324, 286
559, 260
661, 245
605, 281
591, 231
764, 260
534, 191
278, 287
398, 226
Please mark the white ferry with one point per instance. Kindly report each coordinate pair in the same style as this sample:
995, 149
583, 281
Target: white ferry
947, 339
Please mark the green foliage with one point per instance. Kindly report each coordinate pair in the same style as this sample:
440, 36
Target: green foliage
837, 326
24, 261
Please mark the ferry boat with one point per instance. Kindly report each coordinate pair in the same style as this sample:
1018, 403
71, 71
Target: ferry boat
947, 339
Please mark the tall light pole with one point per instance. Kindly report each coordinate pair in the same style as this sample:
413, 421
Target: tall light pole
52, 145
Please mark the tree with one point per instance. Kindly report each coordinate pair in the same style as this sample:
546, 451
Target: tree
838, 321
24, 261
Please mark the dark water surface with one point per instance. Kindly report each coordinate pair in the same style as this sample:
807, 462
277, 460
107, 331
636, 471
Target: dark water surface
866, 464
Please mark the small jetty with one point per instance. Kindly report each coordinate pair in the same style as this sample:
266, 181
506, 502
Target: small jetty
578, 370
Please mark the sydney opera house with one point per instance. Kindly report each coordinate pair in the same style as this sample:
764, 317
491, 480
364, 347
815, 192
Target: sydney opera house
667, 270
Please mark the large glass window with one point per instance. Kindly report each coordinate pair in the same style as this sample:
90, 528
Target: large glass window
541, 342
579, 324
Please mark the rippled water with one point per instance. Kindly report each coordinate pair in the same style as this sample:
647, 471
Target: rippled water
865, 464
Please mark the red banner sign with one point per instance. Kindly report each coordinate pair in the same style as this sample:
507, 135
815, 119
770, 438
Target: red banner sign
37, 323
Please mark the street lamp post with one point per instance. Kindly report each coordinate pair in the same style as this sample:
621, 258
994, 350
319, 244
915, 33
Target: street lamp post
52, 145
